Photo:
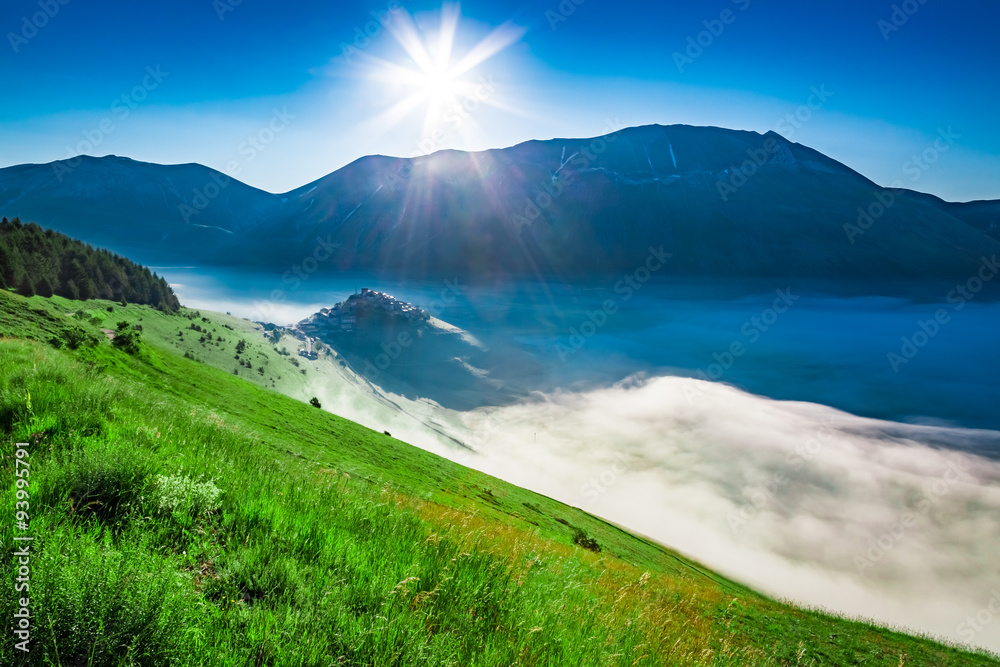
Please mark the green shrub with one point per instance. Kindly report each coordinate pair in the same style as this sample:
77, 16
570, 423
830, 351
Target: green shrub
76, 337
582, 540
103, 481
127, 339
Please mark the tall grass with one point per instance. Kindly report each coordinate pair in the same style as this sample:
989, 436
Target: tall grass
166, 532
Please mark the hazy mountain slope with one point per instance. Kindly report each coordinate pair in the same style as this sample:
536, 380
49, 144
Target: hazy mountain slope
148, 211
568, 207
723, 202
983, 215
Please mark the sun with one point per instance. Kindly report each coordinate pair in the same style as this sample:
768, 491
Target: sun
429, 74
440, 86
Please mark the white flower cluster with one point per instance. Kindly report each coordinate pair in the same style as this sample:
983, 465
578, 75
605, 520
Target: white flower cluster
179, 491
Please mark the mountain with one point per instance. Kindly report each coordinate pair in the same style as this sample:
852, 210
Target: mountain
405, 351
722, 203
139, 209
983, 215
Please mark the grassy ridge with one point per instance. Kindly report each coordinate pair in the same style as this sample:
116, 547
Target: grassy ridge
183, 515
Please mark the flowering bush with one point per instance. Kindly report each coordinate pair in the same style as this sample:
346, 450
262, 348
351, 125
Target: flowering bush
179, 492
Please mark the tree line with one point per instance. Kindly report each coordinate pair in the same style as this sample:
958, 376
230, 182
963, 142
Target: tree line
41, 261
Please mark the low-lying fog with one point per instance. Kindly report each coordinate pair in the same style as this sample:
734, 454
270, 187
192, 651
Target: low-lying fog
865, 517
882, 519
834, 351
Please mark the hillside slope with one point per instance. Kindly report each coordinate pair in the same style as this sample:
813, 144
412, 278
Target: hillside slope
183, 515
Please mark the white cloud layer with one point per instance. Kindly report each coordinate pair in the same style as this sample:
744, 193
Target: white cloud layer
869, 518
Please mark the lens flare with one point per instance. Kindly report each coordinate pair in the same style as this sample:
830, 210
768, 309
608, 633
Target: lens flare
430, 75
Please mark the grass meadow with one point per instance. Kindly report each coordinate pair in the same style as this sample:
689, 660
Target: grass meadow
182, 514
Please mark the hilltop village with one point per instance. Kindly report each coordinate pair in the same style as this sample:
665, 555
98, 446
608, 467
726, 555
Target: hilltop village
343, 318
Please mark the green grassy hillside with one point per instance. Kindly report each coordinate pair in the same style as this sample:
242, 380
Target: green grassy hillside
184, 514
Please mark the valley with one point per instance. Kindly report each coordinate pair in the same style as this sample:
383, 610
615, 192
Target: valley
807, 418
281, 541
546, 334
691, 461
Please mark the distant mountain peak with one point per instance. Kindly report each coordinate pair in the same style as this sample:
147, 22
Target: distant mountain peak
724, 202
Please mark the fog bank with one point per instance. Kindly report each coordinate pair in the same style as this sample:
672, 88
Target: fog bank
900, 523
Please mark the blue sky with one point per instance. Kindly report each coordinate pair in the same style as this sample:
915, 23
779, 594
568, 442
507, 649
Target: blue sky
266, 91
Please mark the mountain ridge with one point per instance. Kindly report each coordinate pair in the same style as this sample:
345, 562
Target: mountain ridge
727, 203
